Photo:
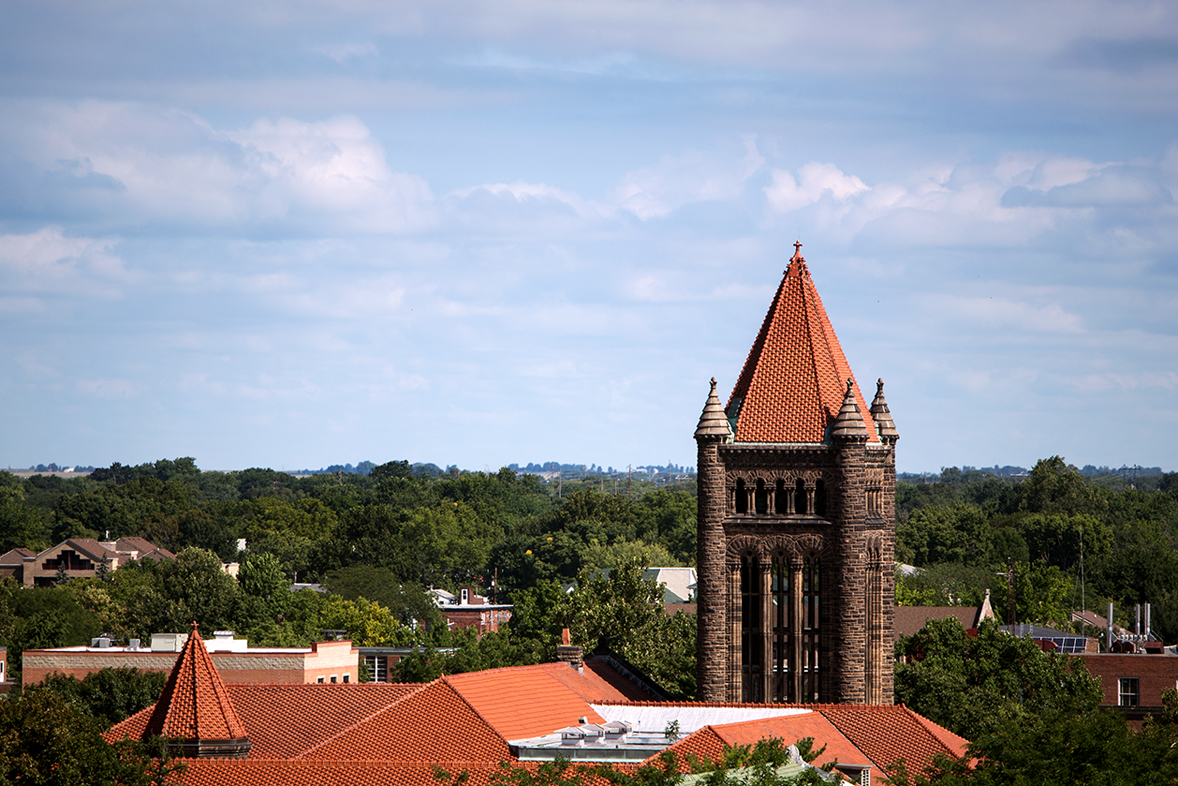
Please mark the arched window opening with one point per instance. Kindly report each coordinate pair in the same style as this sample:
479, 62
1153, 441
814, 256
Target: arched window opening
780, 686
800, 497
819, 497
761, 498
751, 627
742, 497
780, 499
811, 593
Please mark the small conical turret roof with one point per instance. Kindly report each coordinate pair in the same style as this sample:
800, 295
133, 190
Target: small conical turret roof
884, 425
194, 712
792, 385
713, 422
849, 424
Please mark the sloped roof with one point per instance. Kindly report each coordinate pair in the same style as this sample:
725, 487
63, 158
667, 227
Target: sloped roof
88, 547
194, 704
792, 385
146, 549
285, 720
280, 772
910, 619
16, 556
597, 683
790, 729
432, 724
624, 689
521, 702
888, 733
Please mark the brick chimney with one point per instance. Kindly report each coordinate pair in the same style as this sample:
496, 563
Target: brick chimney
567, 652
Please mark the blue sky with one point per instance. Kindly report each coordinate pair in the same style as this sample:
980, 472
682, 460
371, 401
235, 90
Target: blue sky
292, 234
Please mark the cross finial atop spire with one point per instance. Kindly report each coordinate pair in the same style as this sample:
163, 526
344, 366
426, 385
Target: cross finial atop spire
797, 248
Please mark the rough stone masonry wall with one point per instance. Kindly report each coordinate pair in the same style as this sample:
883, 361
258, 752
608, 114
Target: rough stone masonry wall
846, 643
711, 592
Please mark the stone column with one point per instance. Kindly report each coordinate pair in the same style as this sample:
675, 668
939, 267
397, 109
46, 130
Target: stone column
712, 592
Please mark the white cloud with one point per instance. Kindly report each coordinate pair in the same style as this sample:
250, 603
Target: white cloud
813, 182
170, 167
49, 261
653, 192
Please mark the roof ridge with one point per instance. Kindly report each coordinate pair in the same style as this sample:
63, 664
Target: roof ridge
366, 719
194, 711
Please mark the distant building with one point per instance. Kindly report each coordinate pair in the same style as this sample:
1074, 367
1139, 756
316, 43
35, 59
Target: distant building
76, 558
910, 619
1133, 683
325, 661
468, 609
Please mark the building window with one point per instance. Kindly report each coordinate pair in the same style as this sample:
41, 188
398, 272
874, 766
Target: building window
742, 497
346, 679
761, 498
811, 593
333, 678
319, 680
1130, 692
751, 641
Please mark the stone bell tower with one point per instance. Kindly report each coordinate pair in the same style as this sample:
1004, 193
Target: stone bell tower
797, 480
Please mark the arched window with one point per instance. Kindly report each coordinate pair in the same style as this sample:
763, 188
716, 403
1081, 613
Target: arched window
819, 497
751, 631
780, 499
761, 498
780, 685
742, 497
799, 497
811, 594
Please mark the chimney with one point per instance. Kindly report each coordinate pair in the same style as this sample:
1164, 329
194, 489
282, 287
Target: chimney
1137, 625
1148, 635
1108, 640
567, 652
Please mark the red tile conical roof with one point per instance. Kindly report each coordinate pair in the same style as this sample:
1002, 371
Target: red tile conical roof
194, 709
794, 380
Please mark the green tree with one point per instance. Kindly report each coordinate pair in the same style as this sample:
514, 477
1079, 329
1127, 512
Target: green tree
974, 685
46, 739
109, 695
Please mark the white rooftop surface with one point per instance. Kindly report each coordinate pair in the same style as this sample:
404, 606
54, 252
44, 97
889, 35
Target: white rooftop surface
693, 718
678, 581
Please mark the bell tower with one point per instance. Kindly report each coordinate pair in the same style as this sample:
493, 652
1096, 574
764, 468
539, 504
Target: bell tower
796, 526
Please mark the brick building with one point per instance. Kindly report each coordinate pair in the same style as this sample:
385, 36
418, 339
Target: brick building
796, 520
1133, 682
324, 661
76, 558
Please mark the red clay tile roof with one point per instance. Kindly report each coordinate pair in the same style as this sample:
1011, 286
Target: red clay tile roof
270, 772
521, 702
598, 683
794, 380
790, 729
888, 733
433, 724
625, 688
284, 720
194, 704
